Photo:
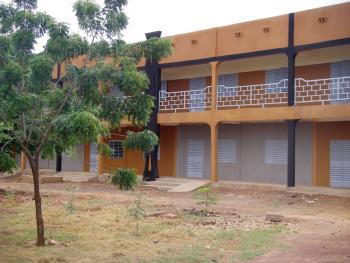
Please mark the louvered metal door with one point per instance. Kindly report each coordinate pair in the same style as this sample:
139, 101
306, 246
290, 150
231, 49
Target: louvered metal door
93, 158
195, 158
340, 163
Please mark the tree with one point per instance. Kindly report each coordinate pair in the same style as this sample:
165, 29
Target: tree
7, 162
47, 117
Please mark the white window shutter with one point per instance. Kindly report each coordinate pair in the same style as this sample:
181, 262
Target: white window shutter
226, 151
276, 151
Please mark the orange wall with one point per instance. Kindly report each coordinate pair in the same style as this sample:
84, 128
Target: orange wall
168, 151
325, 132
184, 49
318, 71
134, 159
308, 29
253, 37
251, 78
178, 85
86, 157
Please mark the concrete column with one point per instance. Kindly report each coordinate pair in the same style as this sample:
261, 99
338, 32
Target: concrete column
214, 83
213, 152
100, 158
23, 162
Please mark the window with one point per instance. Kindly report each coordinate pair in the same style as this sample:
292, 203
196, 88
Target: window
340, 88
197, 94
227, 85
340, 69
163, 88
117, 149
227, 151
274, 77
276, 151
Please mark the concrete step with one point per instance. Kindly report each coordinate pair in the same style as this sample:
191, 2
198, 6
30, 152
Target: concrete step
159, 187
162, 183
41, 172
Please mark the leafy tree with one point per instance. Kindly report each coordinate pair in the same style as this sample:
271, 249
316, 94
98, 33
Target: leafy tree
49, 116
7, 163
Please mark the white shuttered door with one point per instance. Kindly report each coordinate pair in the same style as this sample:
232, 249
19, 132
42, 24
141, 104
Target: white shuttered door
340, 163
195, 158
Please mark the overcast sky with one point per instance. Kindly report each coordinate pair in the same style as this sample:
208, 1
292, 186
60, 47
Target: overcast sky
180, 16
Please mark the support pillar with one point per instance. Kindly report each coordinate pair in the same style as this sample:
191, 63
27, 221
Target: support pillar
154, 74
23, 162
214, 126
291, 153
213, 152
214, 83
59, 162
99, 158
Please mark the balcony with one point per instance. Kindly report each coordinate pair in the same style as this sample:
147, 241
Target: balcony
307, 92
185, 101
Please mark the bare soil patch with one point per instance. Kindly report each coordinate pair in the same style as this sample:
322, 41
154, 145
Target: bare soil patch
92, 224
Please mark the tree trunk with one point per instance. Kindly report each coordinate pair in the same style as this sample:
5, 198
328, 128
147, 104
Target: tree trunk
37, 198
146, 171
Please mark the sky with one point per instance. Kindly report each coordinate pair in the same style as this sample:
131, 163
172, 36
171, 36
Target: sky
180, 16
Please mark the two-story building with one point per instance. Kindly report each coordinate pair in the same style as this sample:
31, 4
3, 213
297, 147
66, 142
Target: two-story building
260, 101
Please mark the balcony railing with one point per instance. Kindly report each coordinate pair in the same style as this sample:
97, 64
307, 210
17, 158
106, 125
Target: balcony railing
252, 95
184, 101
322, 91
307, 92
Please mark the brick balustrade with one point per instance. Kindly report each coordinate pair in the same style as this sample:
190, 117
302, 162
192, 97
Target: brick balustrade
322, 91
184, 101
260, 95
307, 92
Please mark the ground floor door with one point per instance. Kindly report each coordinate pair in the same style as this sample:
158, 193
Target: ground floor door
195, 158
93, 158
340, 163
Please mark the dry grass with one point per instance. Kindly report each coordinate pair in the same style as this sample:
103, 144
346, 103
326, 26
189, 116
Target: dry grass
98, 229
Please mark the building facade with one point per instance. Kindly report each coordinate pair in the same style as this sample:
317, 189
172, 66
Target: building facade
260, 101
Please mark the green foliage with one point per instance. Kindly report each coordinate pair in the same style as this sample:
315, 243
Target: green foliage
48, 117
156, 48
125, 179
7, 163
204, 196
137, 212
106, 21
257, 242
145, 141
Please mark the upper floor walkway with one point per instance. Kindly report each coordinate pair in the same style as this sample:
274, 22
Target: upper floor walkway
307, 92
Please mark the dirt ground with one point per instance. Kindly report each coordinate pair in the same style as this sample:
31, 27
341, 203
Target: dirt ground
92, 223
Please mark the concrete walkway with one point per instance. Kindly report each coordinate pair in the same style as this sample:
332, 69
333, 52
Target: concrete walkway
344, 192
176, 184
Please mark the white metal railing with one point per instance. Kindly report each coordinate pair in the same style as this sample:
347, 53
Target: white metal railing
322, 91
252, 95
189, 100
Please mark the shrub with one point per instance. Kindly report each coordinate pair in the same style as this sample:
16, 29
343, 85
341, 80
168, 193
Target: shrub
125, 179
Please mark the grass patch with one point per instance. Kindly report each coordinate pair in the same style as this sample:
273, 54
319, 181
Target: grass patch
257, 242
107, 234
